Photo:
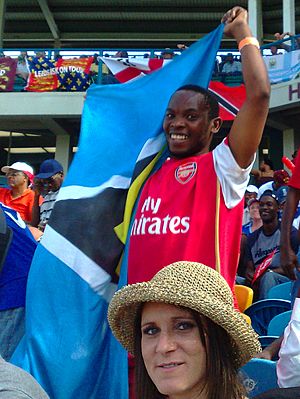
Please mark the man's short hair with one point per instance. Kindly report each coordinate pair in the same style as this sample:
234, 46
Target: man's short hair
210, 99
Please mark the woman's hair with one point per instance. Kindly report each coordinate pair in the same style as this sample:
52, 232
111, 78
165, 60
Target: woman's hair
222, 379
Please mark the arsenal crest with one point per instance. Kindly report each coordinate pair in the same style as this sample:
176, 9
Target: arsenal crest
184, 173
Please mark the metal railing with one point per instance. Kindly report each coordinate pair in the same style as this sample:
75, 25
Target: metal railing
285, 45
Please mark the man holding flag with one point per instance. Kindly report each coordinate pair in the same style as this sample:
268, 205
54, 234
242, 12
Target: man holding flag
68, 346
191, 208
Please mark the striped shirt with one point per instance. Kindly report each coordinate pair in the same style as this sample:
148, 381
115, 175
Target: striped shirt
47, 206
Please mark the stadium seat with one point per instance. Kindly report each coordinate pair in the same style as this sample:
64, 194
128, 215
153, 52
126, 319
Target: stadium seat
278, 323
247, 318
262, 312
259, 375
281, 291
244, 296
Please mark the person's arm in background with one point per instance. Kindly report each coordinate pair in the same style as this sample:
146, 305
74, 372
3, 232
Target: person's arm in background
247, 128
255, 172
250, 270
288, 365
242, 261
35, 218
282, 36
288, 258
270, 351
35, 215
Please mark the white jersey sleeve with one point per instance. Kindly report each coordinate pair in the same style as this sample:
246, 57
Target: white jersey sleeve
288, 365
233, 179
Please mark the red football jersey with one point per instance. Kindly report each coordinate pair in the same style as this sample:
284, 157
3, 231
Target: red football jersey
181, 215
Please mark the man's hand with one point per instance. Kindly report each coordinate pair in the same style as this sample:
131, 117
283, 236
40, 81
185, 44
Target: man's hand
271, 350
289, 262
249, 276
247, 129
250, 270
265, 354
234, 19
288, 259
38, 187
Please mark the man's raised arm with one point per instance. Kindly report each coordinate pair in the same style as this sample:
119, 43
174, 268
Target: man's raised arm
247, 129
288, 258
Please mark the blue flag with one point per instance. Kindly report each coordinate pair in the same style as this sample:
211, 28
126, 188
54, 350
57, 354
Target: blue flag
13, 276
68, 346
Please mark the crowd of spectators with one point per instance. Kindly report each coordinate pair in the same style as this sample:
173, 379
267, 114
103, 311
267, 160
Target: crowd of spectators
263, 207
27, 204
278, 251
32, 196
227, 67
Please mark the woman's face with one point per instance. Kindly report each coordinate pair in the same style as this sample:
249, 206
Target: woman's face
174, 356
254, 210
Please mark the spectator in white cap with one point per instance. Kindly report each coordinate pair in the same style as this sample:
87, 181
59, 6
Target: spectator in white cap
255, 219
251, 193
18, 196
47, 184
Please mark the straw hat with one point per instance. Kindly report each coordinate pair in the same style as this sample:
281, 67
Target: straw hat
194, 286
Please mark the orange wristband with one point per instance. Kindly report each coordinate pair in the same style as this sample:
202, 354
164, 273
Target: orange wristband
248, 40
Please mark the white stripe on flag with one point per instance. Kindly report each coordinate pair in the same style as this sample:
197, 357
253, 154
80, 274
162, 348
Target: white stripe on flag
152, 146
97, 278
117, 65
120, 65
226, 101
78, 192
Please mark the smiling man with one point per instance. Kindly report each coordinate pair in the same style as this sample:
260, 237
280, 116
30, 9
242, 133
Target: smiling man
263, 244
191, 208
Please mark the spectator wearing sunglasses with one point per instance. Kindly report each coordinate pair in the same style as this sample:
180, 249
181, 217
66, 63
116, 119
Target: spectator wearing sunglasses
46, 184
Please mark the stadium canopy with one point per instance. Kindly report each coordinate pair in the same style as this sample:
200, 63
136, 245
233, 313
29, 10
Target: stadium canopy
124, 23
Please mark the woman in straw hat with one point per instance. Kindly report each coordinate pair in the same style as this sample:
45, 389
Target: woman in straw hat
186, 336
